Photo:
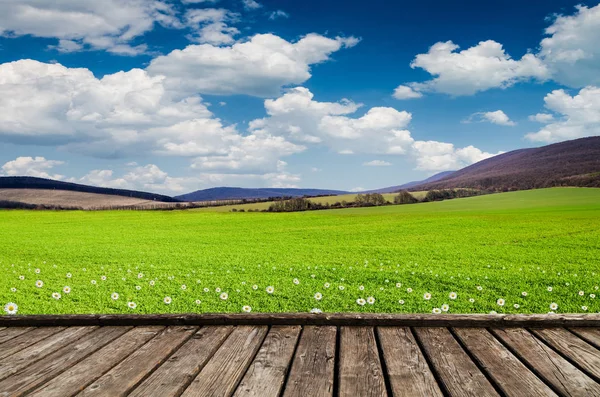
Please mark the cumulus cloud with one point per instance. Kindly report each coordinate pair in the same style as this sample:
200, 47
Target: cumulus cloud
475, 69
299, 118
258, 67
31, 166
109, 25
495, 117
436, 156
210, 25
571, 49
576, 116
251, 4
405, 92
541, 117
377, 163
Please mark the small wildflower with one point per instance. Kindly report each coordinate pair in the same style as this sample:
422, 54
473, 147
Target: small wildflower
553, 306
318, 296
67, 289
224, 296
246, 309
131, 305
361, 301
445, 307
56, 295
270, 289
11, 308
167, 300
452, 295
500, 302
427, 296
114, 296
436, 310
370, 300
39, 283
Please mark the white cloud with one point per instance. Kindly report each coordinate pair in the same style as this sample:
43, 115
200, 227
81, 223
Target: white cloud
210, 25
31, 166
475, 69
357, 189
278, 14
405, 92
198, 1
495, 117
436, 156
299, 118
576, 116
542, 117
100, 25
377, 163
571, 49
251, 4
259, 66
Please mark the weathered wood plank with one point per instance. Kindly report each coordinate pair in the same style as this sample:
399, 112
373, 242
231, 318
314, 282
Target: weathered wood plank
548, 364
312, 369
221, 375
266, 375
586, 356
509, 374
12, 332
590, 335
126, 375
360, 372
407, 369
331, 319
172, 377
27, 339
52, 365
12, 364
79, 376
458, 374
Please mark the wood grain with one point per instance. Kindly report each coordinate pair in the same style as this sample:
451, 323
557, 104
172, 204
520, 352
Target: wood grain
312, 370
407, 370
360, 370
221, 375
548, 364
23, 358
590, 335
459, 375
52, 365
509, 374
120, 380
12, 332
172, 378
27, 339
76, 378
576, 349
266, 375
331, 319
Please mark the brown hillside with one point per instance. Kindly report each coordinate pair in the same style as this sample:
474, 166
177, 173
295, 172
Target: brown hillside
571, 163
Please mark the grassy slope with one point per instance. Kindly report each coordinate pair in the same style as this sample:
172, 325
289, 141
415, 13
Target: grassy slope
507, 243
324, 200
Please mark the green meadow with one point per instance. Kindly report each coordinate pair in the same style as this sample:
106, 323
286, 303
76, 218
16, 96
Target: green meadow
520, 252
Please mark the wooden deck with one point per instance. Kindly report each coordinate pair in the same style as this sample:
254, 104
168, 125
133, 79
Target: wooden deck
446, 356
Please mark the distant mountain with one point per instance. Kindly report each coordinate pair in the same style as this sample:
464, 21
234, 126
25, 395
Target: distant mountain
570, 163
238, 193
29, 182
409, 185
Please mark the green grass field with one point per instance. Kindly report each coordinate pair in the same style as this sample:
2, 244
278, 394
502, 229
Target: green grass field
531, 248
323, 200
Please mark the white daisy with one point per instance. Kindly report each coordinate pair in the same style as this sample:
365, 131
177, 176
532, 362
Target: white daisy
436, 310
445, 307
67, 289
140, 275
479, 288
224, 296
516, 306
370, 300
426, 296
37, 271
318, 296
21, 278
13, 289
103, 278
93, 282
500, 302
11, 308
255, 287
409, 290
56, 295
114, 296
39, 283
296, 281
246, 309
524, 293
398, 285
270, 289
316, 311
167, 300
553, 306
549, 289
152, 282
138, 287
453, 295
131, 305
217, 290
592, 296
198, 301
584, 308
361, 301
341, 287
401, 301
581, 293
69, 275
184, 287
361, 288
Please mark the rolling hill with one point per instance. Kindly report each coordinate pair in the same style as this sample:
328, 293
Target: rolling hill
233, 193
410, 185
29, 182
570, 163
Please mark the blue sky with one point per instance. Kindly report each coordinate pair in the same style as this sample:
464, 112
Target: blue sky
178, 95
